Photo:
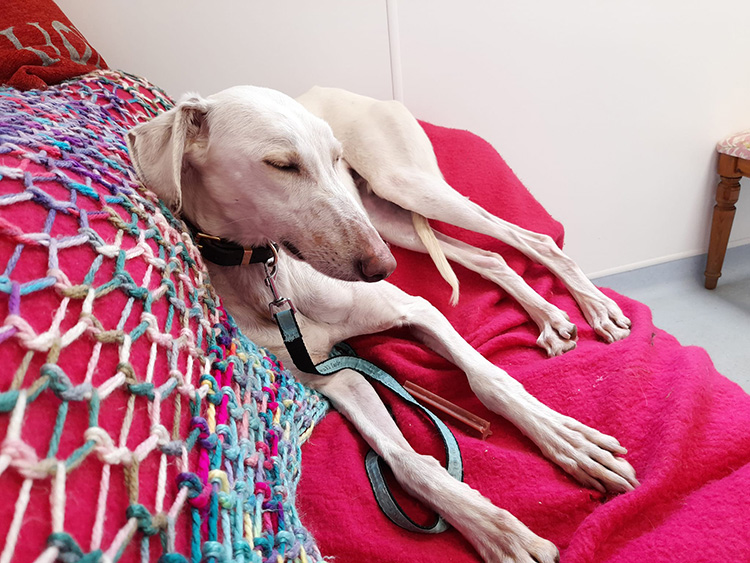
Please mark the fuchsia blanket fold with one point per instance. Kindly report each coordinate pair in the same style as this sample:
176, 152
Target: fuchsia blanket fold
686, 427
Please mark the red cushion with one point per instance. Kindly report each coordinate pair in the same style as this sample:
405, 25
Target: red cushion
39, 45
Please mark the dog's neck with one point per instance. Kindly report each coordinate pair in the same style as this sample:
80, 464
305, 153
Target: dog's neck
241, 286
246, 296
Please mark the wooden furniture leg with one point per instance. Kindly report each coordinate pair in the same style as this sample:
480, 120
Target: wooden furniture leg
727, 194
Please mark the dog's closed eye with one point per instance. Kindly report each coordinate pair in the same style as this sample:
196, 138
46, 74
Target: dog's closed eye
283, 166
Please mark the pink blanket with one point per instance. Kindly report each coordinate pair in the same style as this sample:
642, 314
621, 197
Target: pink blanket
686, 427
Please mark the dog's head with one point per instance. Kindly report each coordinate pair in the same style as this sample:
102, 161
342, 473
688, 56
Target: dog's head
252, 165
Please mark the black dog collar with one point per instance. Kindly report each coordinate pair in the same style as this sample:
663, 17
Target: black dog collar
227, 253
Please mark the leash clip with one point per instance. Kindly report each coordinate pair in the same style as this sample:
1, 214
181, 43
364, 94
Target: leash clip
271, 268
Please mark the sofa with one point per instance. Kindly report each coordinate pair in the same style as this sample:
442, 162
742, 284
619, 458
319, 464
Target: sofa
138, 423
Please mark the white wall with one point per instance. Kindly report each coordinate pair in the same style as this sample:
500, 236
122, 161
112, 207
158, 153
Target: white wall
195, 45
608, 111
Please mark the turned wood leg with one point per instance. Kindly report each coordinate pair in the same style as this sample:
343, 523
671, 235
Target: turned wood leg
727, 194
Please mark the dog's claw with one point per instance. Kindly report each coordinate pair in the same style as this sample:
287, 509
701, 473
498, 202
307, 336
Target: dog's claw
623, 322
555, 346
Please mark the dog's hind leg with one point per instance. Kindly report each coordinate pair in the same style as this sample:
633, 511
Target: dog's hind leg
495, 533
556, 333
388, 148
435, 199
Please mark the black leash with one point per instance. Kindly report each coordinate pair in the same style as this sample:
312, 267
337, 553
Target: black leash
228, 253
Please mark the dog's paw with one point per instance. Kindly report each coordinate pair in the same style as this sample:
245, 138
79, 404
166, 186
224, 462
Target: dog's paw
591, 457
606, 318
502, 538
557, 334
557, 340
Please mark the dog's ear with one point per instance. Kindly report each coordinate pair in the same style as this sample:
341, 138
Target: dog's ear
159, 147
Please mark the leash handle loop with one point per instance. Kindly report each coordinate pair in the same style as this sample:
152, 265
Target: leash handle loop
345, 358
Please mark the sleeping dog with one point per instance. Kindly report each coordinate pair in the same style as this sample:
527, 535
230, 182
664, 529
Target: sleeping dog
253, 166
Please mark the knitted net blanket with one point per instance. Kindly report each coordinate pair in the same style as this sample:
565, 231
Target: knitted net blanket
136, 421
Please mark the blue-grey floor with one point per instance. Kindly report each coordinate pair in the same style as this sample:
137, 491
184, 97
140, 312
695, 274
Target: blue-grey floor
717, 320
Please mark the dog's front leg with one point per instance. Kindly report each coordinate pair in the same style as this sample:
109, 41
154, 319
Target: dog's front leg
495, 533
586, 454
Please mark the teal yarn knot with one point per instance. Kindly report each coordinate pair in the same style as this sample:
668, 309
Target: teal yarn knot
240, 487
228, 433
142, 389
69, 551
242, 548
214, 550
212, 380
172, 558
66, 545
170, 286
265, 544
145, 521
8, 401
232, 452
214, 349
227, 500
285, 538
232, 396
221, 365
62, 386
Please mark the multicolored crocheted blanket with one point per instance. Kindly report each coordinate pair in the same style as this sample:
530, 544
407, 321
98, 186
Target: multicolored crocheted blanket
136, 421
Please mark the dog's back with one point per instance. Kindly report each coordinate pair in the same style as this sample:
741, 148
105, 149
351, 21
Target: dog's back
394, 141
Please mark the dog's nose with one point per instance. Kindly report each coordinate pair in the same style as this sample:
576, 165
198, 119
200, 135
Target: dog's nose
376, 268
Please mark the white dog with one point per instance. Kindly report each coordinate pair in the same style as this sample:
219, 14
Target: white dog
251, 165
